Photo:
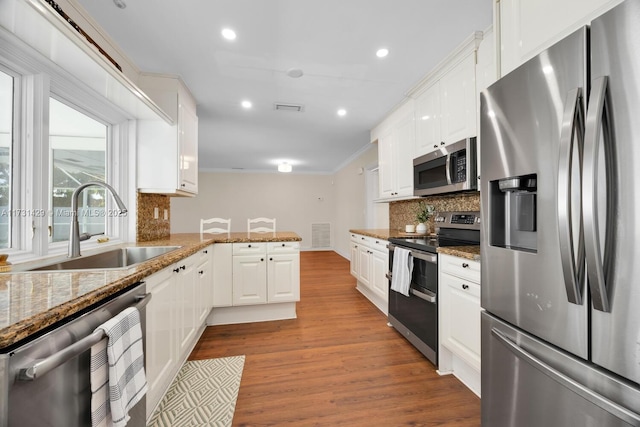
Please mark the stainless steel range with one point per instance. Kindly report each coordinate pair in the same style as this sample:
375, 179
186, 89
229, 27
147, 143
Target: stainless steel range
416, 316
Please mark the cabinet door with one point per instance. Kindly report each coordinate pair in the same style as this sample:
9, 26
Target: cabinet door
428, 120
161, 352
355, 257
458, 102
249, 279
386, 164
188, 143
379, 269
283, 282
222, 275
527, 27
187, 295
460, 309
204, 280
404, 153
364, 265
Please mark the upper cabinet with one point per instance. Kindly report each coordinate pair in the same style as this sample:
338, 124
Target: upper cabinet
168, 154
396, 142
446, 100
527, 27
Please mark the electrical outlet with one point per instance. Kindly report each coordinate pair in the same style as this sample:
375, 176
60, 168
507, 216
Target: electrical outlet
156, 213
166, 214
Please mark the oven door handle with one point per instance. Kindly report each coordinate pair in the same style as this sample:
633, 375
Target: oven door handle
433, 259
428, 296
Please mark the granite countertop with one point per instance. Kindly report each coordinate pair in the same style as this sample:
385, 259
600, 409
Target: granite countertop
33, 301
468, 252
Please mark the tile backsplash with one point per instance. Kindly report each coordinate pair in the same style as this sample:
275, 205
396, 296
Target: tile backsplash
148, 228
404, 212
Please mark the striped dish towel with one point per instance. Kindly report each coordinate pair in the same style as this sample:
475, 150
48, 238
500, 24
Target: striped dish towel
118, 380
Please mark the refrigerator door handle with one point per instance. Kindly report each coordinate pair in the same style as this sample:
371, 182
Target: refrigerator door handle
448, 168
608, 405
572, 259
597, 120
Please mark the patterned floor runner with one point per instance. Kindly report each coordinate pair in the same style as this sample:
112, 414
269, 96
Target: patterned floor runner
203, 394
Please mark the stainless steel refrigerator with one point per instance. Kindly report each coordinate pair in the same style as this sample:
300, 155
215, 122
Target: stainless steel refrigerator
560, 199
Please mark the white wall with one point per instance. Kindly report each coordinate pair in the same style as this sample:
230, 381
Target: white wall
350, 197
295, 200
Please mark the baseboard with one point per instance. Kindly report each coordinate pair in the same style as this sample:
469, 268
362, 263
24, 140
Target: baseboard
380, 303
251, 313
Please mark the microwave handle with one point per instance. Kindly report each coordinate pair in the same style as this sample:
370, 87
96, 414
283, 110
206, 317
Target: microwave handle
448, 167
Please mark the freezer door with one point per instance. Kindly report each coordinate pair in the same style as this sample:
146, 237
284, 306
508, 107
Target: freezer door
530, 196
528, 383
613, 234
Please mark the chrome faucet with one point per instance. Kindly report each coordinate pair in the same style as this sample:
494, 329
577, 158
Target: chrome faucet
74, 234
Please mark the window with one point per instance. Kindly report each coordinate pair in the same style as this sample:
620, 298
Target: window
6, 141
78, 145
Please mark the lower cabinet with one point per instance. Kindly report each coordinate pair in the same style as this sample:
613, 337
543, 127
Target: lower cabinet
459, 319
175, 318
251, 279
369, 265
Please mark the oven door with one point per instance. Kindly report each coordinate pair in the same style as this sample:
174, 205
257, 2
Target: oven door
416, 316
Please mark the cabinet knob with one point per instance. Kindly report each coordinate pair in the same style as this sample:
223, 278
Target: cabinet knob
205, 252
465, 265
183, 185
465, 286
176, 270
435, 146
261, 259
270, 259
441, 142
283, 245
182, 267
248, 246
201, 272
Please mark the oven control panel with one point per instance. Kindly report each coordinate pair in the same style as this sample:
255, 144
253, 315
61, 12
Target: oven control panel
458, 220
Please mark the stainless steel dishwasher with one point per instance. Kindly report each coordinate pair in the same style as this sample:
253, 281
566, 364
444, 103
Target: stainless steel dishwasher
45, 381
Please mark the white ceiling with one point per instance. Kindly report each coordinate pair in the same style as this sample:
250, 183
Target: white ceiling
332, 41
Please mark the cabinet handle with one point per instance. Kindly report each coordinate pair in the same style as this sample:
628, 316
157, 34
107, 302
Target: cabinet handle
183, 185
465, 287
205, 252
201, 272
182, 267
283, 245
441, 142
270, 259
176, 270
465, 265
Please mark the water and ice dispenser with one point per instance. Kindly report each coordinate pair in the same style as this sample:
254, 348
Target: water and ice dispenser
513, 212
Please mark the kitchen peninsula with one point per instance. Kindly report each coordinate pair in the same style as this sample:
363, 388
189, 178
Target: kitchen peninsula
31, 302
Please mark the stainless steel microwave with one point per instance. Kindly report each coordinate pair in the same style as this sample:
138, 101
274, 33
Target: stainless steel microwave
449, 169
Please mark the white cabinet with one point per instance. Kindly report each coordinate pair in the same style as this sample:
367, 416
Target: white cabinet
261, 273
446, 106
168, 154
527, 27
459, 319
370, 265
396, 149
161, 352
175, 317
249, 273
222, 273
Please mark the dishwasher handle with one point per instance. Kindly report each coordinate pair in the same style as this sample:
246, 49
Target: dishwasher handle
41, 367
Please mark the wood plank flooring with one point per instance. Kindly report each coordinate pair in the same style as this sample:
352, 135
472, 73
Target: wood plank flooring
337, 364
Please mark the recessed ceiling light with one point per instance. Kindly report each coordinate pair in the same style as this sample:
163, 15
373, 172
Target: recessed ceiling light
246, 104
228, 34
381, 53
342, 112
119, 4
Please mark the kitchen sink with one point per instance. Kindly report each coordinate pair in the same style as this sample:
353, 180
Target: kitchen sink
115, 258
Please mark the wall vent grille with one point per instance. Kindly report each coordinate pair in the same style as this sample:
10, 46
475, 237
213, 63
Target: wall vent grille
298, 108
321, 236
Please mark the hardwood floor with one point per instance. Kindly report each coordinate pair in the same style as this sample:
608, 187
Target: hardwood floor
337, 364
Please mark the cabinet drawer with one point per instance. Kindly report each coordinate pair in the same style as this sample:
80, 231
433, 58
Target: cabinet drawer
378, 244
354, 237
463, 286
283, 247
249, 248
363, 240
460, 267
